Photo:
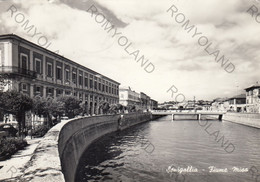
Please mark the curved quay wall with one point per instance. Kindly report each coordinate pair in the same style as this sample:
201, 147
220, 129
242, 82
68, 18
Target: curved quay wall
76, 135
248, 119
57, 156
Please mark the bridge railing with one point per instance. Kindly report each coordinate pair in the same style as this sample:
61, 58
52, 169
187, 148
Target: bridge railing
188, 111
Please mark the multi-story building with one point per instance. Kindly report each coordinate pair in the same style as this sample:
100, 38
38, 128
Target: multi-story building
145, 101
253, 98
148, 98
128, 97
141, 101
236, 103
219, 104
34, 70
154, 104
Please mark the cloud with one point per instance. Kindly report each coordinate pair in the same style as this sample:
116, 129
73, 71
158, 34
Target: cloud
177, 57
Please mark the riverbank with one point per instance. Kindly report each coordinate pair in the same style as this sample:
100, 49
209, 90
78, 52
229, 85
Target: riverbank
77, 135
248, 119
55, 156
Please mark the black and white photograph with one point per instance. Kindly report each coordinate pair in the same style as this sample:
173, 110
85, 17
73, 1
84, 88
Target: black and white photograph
129, 91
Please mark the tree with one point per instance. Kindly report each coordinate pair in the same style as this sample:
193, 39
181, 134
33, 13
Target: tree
115, 108
71, 105
40, 106
48, 107
131, 108
14, 102
104, 106
57, 107
83, 108
120, 107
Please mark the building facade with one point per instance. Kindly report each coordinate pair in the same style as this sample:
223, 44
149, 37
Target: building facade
128, 97
145, 101
33, 70
154, 104
219, 104
253, 98
236, 103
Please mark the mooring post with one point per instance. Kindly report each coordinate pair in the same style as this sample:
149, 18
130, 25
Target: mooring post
172, 117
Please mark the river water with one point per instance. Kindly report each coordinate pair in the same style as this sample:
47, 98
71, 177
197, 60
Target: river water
179, 150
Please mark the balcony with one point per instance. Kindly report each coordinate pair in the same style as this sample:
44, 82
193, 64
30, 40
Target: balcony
39, 77
49, 79
59, 81
12, 72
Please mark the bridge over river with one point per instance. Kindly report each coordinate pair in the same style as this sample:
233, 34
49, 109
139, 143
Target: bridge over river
199, 114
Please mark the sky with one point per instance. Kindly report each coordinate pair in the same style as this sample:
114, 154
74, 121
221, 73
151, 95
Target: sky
177, 56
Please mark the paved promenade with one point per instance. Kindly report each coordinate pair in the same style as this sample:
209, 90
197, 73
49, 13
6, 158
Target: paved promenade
13, 167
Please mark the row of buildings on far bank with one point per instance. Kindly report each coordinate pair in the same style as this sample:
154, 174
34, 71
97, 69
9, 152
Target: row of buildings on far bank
36, 71
189, 105
141, 101
247, 102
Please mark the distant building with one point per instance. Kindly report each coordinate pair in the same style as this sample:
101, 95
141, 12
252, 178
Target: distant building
128, 97
236, 103
168, 105
154, 104
219, 104
204, 105
253, 98
190, 104
165, 105
145, 101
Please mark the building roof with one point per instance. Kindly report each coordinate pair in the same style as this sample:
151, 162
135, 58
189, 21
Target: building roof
241, 96
125, 88
154, 100
256, 85
18, 38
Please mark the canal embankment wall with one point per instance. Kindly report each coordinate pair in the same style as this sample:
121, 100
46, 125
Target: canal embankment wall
57, 156
78, 134
248, 119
